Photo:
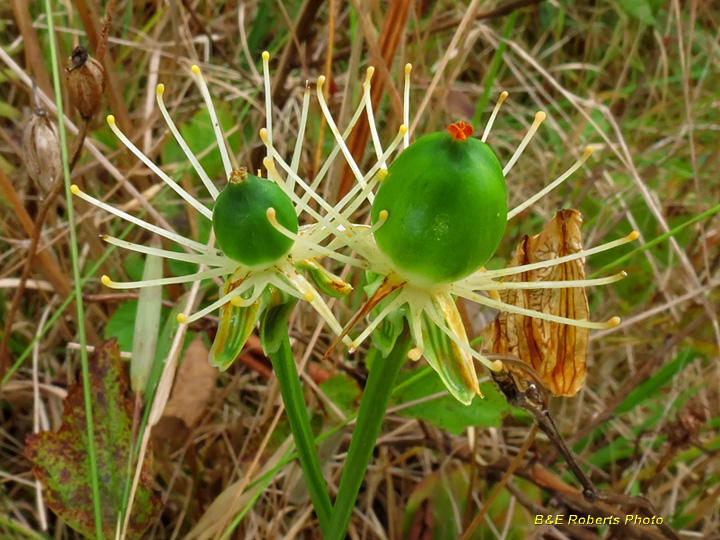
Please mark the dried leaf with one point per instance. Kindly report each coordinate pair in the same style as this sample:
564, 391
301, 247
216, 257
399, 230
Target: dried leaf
60, 458
557, 352
194, 385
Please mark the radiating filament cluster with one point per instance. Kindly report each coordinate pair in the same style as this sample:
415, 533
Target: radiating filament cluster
430, 309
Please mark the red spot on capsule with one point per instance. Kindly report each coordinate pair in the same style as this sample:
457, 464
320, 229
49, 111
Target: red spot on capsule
460, 131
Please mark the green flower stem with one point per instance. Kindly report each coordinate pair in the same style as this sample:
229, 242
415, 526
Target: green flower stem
92, 458
374, 403
287, 375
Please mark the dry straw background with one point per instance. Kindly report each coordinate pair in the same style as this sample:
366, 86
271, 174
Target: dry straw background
638, 80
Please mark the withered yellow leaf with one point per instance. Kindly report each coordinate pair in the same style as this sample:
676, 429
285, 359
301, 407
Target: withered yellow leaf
557, 352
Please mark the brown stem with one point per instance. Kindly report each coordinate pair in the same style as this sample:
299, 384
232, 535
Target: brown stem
532, 402
102, 44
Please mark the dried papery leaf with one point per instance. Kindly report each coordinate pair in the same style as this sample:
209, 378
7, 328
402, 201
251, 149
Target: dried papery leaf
60, 458
194, 385
557, 352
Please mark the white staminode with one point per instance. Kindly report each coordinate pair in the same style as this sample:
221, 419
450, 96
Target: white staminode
159, 91
406, 104
493, 115
200, 80
539, 119
253, 281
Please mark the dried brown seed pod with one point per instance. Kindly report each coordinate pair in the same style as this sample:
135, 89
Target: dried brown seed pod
41, 149
86, 82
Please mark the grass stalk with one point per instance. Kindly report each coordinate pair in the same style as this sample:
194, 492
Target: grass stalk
655, 241
494, 68
92, 457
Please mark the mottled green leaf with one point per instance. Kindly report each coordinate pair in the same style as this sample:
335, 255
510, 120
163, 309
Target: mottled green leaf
60, 458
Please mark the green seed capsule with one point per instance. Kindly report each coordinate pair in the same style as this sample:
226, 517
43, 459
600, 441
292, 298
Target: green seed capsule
447, 207
240, 221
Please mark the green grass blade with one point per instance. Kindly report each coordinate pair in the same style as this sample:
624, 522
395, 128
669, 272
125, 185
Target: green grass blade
374, 403
76, 270
494, 68
655, 241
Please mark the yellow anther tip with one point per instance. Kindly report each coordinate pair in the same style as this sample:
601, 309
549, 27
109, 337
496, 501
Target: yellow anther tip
268, 162
160, 89
195, 69
634, 235
383, 215
540, 116
111, 119
181, 318
265, 55
415, 354
371, 70
270, 213
613, 322
106, 280
408, 68
624, 274
382, 174
504, 95
496, 365
403, 129
74, 189
321, 80
309, 297
236, 301
588, 150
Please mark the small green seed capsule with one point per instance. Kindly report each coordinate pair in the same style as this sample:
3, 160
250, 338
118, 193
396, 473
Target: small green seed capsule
447, 207
240, 221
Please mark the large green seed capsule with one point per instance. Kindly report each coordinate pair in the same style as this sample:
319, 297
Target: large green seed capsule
447, 207
240, 221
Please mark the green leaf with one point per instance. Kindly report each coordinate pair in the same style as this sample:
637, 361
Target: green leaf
122, 324
147, 326
650, 387
644, 11
61, 460
446, 412
343, 391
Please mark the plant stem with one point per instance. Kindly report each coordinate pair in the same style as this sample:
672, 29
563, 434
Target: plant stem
373, 405
286, 372
92, 457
